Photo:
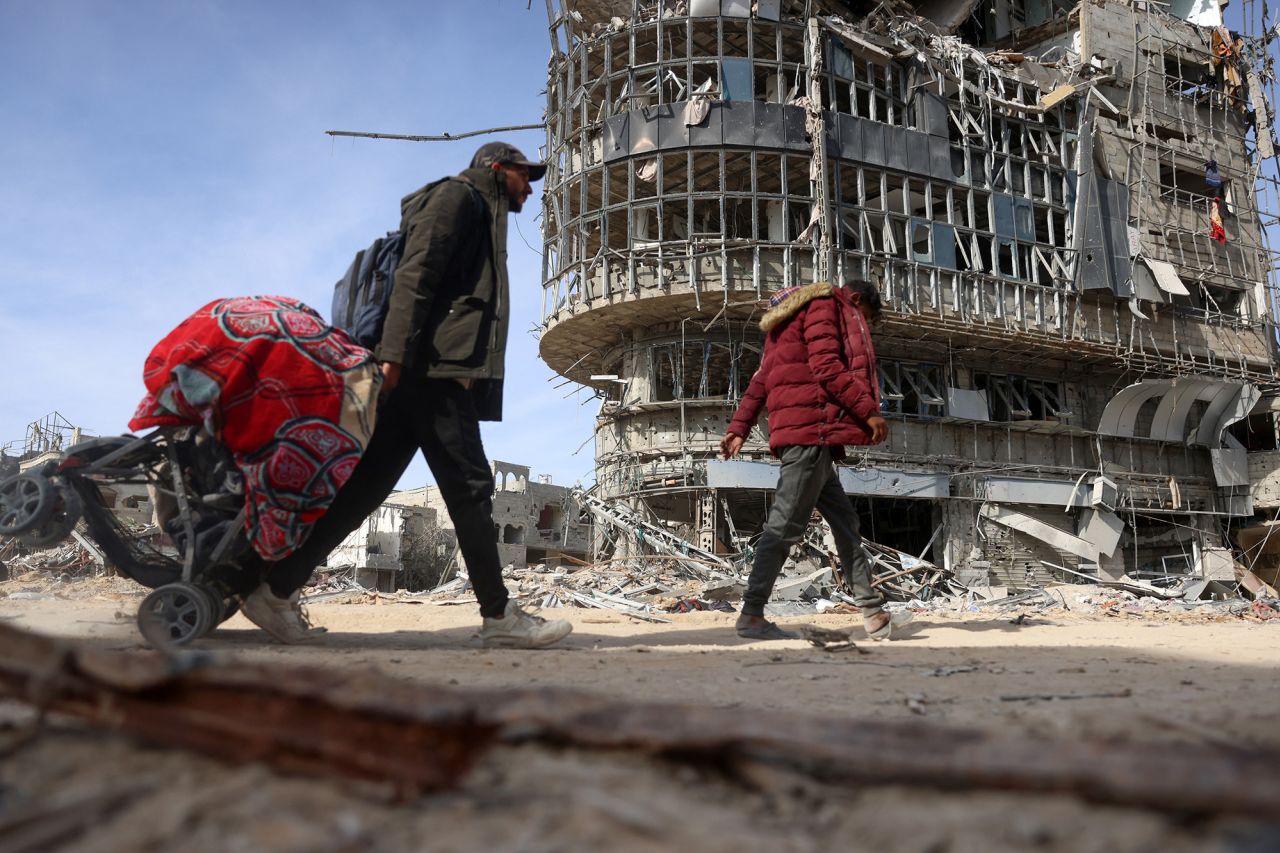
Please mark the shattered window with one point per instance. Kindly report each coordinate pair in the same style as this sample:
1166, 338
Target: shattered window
716, 370
1004, 399
995, 20
706, 217
1256, 432
1019, 398
664, 372
1045, 399
1185, 77
697, 370
911, 388
744, 367
1195, 187
920, 249
858, 86
551, 517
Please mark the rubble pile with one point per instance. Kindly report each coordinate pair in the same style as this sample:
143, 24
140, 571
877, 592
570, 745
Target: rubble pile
1103, 600
679, 577
66, 561
644, 586
682, 578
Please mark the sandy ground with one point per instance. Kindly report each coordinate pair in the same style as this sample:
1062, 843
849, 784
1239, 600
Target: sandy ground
1156, 678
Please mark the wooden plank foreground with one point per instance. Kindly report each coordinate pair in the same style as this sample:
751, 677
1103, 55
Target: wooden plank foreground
422, 738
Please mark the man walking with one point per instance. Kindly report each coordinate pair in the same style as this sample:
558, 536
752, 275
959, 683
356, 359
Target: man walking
818, 380
442, 355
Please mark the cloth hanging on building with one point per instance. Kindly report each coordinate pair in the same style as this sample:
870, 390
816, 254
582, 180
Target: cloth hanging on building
291, 397
1211, 176
1216, 231
1226, 57
1221, 41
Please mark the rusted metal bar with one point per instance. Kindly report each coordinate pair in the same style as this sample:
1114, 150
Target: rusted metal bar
443, 137
423, 737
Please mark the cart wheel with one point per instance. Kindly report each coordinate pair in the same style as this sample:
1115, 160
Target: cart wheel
58, 526
175, 614
26, 501
214, 602
218, 580
221, 609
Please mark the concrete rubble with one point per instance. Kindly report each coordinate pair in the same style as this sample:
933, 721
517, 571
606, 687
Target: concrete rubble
65, 562
681, 579
677, 577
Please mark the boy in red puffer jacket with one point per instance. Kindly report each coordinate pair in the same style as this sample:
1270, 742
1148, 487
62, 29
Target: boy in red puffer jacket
818, 380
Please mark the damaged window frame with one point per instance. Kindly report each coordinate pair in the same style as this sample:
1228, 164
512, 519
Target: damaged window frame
1012, 397
1184, 184
913, 389
700, 370
994, 22
870, 90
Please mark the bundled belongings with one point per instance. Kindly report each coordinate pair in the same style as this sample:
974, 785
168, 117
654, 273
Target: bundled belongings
260, 411
289, 396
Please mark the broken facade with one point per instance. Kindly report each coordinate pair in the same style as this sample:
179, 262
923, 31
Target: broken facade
535, 521
1064, 205
45, 439
396, 546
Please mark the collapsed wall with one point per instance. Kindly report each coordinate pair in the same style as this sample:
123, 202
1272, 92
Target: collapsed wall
1065, 209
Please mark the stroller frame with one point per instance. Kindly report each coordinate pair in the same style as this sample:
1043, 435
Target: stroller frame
190, 476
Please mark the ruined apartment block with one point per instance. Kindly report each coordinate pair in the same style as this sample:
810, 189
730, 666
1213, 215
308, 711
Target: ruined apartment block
1065, 206
535, 521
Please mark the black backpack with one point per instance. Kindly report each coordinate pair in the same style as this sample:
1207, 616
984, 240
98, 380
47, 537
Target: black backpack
362, 297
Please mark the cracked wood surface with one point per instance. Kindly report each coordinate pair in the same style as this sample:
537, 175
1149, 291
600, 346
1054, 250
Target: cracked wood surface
422, 738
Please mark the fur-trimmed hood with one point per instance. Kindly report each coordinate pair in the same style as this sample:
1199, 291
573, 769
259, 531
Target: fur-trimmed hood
792, 301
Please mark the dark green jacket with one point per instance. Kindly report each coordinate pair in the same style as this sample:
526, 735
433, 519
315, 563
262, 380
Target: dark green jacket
449, 304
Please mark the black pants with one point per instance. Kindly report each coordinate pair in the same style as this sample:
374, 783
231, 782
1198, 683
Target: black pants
809, 480
438, 417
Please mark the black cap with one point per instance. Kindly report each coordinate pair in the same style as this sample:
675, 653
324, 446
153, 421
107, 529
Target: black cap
505, 152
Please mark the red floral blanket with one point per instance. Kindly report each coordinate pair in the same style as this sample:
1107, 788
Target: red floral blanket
290, 396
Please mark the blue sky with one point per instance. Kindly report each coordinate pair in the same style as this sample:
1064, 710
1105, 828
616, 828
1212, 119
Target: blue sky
157, 155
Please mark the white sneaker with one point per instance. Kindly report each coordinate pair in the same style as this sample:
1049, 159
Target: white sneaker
520, 630
282, 618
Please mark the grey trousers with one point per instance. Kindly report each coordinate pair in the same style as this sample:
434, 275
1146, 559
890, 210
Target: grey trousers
809, 481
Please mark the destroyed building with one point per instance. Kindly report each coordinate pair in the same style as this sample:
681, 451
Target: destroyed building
47, 439
1064, 205
535, 521
394, 547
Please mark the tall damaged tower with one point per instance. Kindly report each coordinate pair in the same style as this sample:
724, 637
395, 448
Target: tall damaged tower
1065, 207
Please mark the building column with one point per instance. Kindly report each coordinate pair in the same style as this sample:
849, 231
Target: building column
707, 520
